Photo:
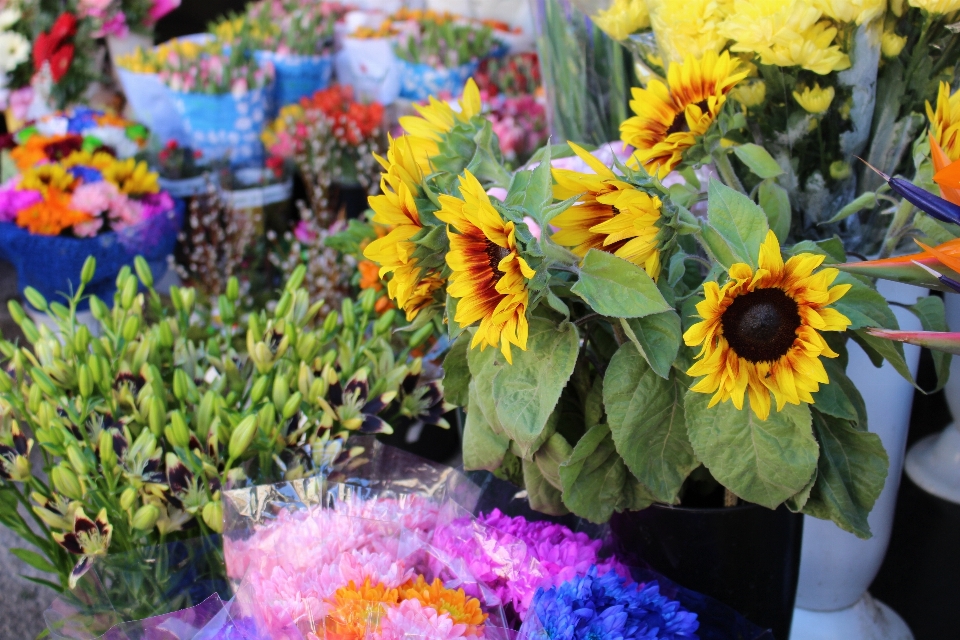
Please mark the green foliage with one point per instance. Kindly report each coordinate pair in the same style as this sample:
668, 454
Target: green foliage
735, 226
617, 288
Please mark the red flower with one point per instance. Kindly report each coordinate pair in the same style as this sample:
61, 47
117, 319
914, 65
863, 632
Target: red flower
53, 48
60, 62
64, 27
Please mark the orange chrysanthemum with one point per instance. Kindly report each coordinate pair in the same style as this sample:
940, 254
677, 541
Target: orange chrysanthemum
52, 215
456, 604
356, 611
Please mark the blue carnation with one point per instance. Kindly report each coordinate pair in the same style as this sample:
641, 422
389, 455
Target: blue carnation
592, 607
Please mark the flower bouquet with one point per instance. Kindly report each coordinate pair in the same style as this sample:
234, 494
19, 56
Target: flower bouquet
74, 198
182, 170
222, 97
441, 54
126, 24
582, 295
296, 38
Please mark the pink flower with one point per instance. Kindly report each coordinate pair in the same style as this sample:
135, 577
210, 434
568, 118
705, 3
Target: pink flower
161, 8
154, 204
94, 198
20, 101
88, 229
13, 200
115, 25
412, 620
303, 233
124, 212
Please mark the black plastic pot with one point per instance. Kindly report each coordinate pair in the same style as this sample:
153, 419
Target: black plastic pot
747, 557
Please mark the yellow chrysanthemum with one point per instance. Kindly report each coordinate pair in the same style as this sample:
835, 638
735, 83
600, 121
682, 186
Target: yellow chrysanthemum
438, 118
622, 18
43, 176
760, 331
356, 611
489, 276
132, 177
815, 99
945, 121
936, 6
784, 34
611, 215
688, 28
750, 94
891, 44
669, 119
454, 603
858, 11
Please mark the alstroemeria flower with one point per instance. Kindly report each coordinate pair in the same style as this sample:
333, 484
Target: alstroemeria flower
89, 538
15, 459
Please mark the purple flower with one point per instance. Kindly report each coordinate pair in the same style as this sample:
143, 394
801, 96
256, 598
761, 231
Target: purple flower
154, 204
13, 200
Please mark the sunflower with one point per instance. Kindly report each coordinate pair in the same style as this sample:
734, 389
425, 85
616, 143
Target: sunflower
488, 272
612, 215
669, 119
98, 160
47, 175
945, 121
438, 118
759, 332
456, 604
132, 177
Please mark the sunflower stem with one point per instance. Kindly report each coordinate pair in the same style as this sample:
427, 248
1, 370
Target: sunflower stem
898, 226
727, 174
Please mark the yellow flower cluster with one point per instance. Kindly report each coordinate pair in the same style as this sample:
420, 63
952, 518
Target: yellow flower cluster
936, 6
688, 28
151, 60
622, 18
785, 34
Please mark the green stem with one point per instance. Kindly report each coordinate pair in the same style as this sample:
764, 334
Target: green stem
898, 226
727, 174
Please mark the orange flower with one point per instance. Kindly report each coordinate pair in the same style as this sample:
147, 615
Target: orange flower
456, 604
369, 275
357, 611
52, 215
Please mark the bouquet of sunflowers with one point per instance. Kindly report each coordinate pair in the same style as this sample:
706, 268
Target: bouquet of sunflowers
574, 297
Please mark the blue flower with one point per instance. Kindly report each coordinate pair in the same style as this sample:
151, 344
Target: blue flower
592, 607
82, 118
88, 175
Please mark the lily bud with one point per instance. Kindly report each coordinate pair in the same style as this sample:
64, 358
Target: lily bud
286, 300
254, 328
66, 482
35, 298
281, 390
77, 460
349, 316
367, 301
130, 328
89, 268
307, 346
330, 323
108, 456
166, 335
304, 379
34, 398
177, 433
420, 335
267, 417
233, 289
128, 498
16, 311
292, 405
81, 339
30, 331
259, 389
188, 296
296, 278
180, 384
85, 381
6, 382
384, 322
143, 271
99, 308
128, 292
242, 436
205, 414
227, 309
213, 515
145, 518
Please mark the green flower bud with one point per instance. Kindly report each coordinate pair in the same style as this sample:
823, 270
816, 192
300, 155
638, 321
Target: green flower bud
16, 311
281, 390
420, 335
188, 296
145, 518
330, 323
6, 382
156, 416
178, 434
292, 405
267, 417
81, 339
77, 460
286, 301
89, 268
254, 328
166, 335
30, 330
304, 379
66, 482
128, 498
180, 384
367, 301
85, 381
143, 271
330, 357
213, 515
349, 316
108, 457
130, 328
259, 389
227, 310
34, 398
233, 289
99, 309
296, 278
43, 381
35, 298
384, 322
307, 346
128, 293
242, 436
205, 414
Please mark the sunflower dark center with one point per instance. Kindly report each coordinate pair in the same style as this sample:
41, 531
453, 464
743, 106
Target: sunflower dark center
761, 325
680, 120
496, 253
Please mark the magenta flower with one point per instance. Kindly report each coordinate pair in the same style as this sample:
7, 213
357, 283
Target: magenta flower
13, 200
161, 8
154, 204
412, 620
